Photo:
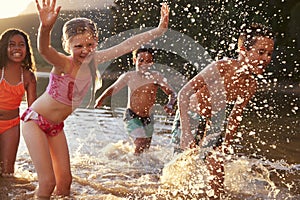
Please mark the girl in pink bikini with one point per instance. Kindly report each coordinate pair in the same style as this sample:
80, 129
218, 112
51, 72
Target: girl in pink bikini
70, 79
17, 76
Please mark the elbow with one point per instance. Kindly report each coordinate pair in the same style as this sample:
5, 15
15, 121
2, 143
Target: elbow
41, 50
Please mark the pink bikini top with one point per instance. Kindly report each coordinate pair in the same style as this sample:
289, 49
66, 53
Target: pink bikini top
68, 90
10, 95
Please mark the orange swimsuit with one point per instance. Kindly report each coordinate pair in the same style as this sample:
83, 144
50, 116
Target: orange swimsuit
10, 99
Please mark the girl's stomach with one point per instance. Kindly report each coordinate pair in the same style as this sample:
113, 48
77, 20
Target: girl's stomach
51, 109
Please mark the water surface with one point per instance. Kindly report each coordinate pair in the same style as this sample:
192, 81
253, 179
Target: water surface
104, 166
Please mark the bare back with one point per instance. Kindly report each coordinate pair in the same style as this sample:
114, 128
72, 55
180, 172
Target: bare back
234, 82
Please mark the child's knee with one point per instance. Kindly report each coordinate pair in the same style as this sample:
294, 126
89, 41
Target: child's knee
141, 144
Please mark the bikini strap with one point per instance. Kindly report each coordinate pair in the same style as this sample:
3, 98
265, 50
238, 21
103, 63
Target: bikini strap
2, 73
22, 75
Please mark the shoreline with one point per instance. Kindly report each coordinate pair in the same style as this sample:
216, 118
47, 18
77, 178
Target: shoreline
288, 87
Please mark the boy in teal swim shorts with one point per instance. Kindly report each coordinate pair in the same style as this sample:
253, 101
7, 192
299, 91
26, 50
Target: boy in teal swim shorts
142, 87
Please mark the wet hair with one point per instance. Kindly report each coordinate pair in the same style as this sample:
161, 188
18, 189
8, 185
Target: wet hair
77, 26
143, 49
248, 36
28, 63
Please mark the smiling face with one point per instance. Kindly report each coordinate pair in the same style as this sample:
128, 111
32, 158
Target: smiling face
80, 38
143, 61
16, 49
81, 46
259, 54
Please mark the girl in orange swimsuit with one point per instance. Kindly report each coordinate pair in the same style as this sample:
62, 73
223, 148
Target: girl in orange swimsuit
16, 77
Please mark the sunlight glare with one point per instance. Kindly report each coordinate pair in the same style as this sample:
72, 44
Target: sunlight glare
13, 8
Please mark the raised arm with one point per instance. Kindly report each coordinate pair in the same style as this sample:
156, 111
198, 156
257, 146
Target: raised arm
48, 15
136, 41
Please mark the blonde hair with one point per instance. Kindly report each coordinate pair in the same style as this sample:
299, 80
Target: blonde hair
77, 26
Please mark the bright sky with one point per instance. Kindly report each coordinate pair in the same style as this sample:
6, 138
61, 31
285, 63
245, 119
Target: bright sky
11, 8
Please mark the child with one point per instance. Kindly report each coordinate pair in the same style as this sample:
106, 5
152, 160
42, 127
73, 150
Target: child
44, 120
227, 81
143, 85
197, 124
17, 76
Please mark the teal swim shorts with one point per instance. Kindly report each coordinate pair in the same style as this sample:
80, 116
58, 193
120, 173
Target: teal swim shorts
138, 127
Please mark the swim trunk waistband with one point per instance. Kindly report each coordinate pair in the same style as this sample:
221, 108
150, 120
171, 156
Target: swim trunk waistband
129, 114
198, 125
137, 126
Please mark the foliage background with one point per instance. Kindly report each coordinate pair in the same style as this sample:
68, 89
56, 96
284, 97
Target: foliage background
214, 24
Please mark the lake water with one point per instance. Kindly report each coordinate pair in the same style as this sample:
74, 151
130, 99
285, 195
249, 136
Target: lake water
266, 164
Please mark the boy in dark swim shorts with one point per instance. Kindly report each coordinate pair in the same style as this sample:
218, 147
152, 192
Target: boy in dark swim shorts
142, 87
221, 83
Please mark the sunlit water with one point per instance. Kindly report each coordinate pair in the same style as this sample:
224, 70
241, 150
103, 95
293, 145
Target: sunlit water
104, 166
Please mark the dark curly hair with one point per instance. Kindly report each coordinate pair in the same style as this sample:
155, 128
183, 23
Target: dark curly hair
29, 62
248, 35
144, 48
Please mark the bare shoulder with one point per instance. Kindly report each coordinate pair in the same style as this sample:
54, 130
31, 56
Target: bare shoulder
226, 62
226, 65
127, 76
29, 75
29, 78
157, 75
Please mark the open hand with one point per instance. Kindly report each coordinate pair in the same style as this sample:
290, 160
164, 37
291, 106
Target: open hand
47, 12
164, 16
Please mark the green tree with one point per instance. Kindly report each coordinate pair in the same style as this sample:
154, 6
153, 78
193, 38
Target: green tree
215, 24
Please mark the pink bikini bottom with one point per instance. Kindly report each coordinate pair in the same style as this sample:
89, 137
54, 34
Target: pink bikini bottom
50, 128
